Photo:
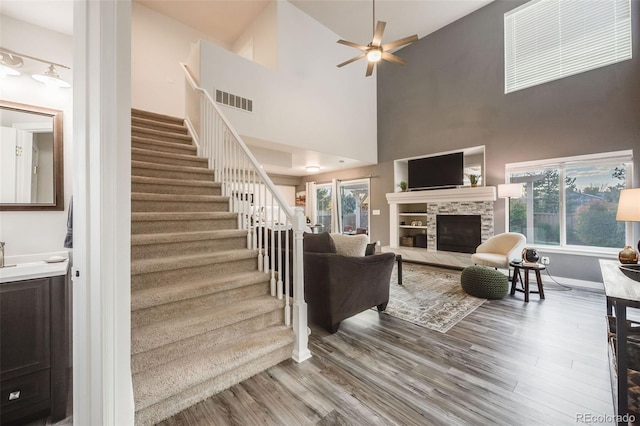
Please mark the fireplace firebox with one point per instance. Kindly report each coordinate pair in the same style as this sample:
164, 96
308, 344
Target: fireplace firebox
458, 233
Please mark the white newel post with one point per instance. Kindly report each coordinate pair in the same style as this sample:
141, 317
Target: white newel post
301, 344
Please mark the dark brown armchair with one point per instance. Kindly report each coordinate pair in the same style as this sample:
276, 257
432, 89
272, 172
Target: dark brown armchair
338, 287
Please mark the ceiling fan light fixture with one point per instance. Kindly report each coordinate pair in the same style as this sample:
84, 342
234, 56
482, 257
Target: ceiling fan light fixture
51, 78
375, 51
374, 54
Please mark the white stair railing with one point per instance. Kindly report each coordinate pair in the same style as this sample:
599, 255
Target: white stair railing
261, 210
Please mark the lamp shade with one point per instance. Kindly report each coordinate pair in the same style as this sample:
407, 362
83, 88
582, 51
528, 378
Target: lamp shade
629, 205
50, 78
510, 190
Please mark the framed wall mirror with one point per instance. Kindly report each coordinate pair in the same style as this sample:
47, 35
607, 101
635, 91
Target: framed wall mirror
31, 164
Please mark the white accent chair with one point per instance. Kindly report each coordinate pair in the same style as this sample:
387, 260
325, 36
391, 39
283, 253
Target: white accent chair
499, 250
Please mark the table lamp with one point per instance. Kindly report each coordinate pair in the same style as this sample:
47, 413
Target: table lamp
629, 211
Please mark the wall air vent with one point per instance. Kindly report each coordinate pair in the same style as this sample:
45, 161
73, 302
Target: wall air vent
234, 101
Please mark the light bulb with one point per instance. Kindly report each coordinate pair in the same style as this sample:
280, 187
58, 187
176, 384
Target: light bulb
374, 54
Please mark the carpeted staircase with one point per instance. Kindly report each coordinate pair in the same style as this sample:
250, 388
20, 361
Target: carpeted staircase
201, 315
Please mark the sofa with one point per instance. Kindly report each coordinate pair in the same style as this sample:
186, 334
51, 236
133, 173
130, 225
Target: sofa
340, 281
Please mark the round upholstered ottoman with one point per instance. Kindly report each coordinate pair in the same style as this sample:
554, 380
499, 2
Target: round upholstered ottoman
480, 281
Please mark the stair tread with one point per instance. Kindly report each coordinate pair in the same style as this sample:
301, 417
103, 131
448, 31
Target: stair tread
193, 323
143, 266
175, 237
167, 144
174, 182
176, 403
170, 126
159, 216
154, 132
170, 167
135, 112
146, 298
154, 385
151, 196
152, 153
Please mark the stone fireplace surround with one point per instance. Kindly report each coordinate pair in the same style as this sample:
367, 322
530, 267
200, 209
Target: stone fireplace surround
458, 201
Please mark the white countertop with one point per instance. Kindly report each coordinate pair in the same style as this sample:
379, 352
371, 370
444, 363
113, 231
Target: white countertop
28, 268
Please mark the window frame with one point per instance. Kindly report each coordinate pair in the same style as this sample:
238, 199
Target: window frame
546, 40
561, 164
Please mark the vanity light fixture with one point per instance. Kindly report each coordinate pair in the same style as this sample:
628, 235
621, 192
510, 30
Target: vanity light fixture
312, 169
10, 60
51, 78
9, 63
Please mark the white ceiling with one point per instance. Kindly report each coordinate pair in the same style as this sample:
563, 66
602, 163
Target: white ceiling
225, 20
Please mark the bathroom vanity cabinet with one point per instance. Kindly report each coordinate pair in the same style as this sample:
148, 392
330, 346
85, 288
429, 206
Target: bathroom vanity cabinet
34, 347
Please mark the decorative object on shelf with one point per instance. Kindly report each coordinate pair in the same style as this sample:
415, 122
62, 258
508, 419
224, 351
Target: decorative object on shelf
403, 185
629, 207
628, 256
416, 223
631, 271
510, 190
474, 180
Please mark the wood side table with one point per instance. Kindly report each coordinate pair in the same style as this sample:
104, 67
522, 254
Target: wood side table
526, 267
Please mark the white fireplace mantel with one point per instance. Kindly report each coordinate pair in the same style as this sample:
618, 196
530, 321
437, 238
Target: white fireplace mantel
480, 193
404, 205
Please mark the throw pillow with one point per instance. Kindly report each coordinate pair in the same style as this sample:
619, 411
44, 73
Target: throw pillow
371, 249
350, 245
318, 243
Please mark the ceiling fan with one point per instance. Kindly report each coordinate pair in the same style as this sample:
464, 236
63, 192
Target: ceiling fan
375, 51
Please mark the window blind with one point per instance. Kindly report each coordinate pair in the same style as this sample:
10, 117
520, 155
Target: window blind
545, 40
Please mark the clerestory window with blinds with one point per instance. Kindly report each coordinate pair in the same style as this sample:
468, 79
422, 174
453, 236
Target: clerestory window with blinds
546, 40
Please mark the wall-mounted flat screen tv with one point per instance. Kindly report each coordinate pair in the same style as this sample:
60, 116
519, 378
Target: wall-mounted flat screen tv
441, 171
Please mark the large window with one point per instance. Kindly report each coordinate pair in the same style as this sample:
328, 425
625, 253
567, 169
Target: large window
354, 197
323, 206
571, 202
545, 40
352, 207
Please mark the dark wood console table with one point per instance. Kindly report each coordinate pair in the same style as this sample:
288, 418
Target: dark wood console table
622, 292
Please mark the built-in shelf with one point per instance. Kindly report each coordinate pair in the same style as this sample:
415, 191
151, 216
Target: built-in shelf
413, 206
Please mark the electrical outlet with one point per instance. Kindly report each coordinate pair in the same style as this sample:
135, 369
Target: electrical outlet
545, 260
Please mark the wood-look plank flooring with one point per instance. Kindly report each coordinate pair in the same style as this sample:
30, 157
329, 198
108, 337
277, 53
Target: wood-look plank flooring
507, 363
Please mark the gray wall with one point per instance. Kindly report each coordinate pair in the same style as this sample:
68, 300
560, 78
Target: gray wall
450, 95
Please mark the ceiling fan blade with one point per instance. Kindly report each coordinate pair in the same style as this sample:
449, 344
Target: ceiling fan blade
401, 42
393, 58
370, 66
352, 59
352, 44
377, 35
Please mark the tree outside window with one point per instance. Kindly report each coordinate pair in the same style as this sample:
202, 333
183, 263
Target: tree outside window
570, 205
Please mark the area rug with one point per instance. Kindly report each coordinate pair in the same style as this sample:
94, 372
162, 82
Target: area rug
429, 297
